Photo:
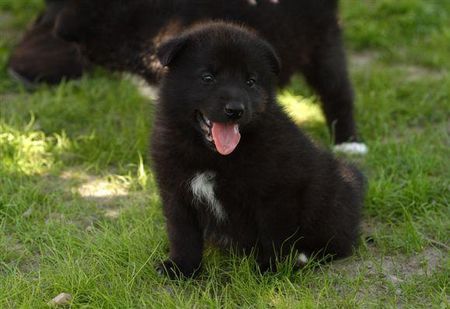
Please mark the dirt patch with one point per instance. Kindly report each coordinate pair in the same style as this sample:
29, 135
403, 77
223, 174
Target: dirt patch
415, 131
395, 268
366, 59
104, 196
360, 60
417, 73
109, 194
380, 274
424, 263
93, 187
398, 267
100, 188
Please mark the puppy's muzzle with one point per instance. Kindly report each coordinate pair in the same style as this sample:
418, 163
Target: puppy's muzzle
234, 111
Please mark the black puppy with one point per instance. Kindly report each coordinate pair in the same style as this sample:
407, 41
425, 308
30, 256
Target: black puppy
124, 35
232, 168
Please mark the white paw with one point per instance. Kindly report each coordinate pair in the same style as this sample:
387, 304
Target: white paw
352, 148
302, 260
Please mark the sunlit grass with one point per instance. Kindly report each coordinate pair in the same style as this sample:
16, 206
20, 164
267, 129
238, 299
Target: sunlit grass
301, 109
30, 152
306, 112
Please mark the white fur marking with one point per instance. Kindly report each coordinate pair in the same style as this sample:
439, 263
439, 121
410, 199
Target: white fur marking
302, 259
202, 186
352, 148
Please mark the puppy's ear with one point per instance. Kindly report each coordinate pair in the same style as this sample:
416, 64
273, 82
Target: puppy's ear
273, 58
170, 49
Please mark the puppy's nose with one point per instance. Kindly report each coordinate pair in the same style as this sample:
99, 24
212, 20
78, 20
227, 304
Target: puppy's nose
234, 111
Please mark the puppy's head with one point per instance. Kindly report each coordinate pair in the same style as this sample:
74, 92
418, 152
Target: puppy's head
111, 33
221, 79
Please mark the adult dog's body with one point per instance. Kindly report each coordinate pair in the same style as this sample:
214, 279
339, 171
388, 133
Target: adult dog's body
124, 35
232, 168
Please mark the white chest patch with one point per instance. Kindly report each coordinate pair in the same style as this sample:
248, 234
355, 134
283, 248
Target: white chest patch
202, 187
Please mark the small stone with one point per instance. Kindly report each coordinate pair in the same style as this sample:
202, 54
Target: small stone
394, 279
61, 300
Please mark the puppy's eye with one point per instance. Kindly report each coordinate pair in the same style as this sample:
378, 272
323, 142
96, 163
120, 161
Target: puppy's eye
207, 78
250, 82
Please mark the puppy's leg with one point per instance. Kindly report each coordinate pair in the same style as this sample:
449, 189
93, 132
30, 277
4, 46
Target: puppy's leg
327, 74
185, 239
275, 236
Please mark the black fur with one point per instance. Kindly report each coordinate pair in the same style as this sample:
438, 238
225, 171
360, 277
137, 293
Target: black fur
124, 35
279, 191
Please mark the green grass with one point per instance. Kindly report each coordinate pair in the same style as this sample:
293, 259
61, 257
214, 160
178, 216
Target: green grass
79, 212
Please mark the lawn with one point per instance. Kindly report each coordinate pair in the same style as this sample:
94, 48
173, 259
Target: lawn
79, 210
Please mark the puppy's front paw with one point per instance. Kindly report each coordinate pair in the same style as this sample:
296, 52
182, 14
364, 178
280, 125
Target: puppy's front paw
170, 269
175, 271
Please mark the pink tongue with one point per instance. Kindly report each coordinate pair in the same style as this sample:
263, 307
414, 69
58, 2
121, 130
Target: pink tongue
226, 137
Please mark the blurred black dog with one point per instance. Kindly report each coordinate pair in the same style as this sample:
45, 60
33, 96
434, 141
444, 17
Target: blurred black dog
124, 35
232, 168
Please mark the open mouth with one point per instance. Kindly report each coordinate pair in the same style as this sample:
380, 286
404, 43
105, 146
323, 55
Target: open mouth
222, 137
205, 126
